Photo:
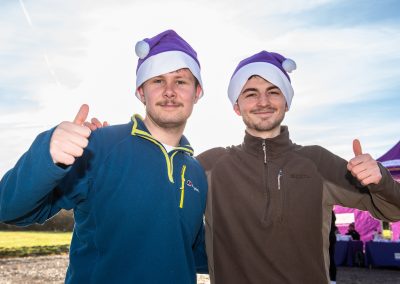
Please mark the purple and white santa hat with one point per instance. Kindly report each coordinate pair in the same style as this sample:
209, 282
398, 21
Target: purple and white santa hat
164, 53
271, 66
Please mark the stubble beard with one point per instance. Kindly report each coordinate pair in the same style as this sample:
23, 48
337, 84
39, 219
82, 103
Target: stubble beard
264, 125
168, 124
167, 121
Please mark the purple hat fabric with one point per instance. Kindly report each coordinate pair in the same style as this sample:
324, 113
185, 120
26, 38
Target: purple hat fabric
164, 53
271, 66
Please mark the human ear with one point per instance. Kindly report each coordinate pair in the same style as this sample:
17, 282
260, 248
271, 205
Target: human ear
141, 94
198, 92
237, 109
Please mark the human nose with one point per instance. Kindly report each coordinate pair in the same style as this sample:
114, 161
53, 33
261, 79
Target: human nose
169, 90
263, 99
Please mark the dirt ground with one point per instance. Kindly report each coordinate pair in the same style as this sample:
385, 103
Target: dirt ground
51, 269
42, 269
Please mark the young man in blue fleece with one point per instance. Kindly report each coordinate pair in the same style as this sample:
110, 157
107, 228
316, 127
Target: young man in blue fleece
138, 194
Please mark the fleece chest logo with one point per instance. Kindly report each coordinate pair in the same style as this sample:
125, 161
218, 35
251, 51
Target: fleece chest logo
189, 183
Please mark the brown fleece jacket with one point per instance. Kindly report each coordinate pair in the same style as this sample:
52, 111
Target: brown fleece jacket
269, 209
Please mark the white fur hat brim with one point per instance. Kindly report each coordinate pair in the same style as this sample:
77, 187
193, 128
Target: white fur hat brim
166, 62
268, 71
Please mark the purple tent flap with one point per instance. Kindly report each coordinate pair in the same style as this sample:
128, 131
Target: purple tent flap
391, 159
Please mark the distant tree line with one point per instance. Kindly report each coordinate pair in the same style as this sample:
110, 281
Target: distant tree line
63, 221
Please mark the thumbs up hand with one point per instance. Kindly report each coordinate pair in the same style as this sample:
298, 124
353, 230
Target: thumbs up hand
363, 166
69, 139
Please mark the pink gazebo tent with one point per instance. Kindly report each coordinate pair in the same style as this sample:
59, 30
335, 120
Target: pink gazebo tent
391, 160
365, 223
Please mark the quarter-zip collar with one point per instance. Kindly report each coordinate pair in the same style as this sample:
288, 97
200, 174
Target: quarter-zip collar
269, 148
140, 129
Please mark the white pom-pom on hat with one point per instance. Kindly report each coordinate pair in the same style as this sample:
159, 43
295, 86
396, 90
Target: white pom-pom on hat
142, 48
289, 65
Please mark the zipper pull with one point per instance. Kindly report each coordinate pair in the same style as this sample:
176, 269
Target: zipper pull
280, 174
264, 146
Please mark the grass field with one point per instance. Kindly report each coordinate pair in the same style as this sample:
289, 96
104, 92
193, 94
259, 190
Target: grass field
33, 243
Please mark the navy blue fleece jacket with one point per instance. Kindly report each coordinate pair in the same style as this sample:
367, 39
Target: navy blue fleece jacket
138, 210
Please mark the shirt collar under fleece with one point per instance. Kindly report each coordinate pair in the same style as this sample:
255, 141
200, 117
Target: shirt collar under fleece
140, 129
274, 146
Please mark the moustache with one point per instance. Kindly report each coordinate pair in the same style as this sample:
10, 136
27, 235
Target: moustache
169, 103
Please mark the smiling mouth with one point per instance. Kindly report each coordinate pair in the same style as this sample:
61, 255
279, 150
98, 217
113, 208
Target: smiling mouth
263, 112
169, 105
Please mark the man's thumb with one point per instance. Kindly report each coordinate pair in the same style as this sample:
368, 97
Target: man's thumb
357, 147
82, 115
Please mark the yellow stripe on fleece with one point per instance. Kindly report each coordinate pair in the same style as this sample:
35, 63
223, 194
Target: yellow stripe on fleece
182, 186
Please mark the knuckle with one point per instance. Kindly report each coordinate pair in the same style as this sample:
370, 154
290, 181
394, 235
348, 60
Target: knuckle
63, 125
87, 131
70, 160
79, 152
54, 154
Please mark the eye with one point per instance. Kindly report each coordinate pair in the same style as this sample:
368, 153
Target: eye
249, 95
157, 81
274, 92
180, 82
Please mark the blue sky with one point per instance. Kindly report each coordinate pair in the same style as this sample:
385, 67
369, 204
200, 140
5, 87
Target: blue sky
56, 55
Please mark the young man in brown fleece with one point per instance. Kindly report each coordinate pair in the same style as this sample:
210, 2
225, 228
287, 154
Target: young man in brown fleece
269, 202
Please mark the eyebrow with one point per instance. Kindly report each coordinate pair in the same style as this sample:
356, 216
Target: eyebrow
249, 90
176, 76
272, 87
256, 90
180, 73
